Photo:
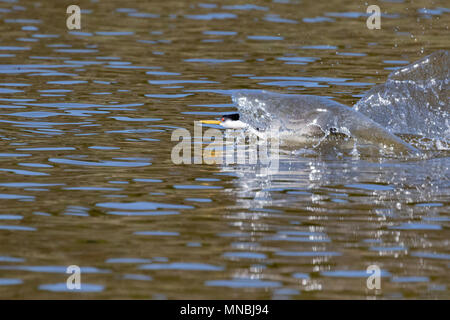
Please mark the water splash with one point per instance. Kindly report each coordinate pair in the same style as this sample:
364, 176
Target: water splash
414, 101
309, 121
412, 105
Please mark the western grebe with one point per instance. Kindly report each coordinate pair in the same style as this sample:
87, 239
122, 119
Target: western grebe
305, 120
228, 121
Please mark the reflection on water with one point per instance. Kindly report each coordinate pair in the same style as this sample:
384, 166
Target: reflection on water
87, 179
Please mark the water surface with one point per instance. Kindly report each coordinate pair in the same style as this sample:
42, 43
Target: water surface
86, 176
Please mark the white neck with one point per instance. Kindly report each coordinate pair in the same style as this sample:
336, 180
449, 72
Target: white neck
230, 124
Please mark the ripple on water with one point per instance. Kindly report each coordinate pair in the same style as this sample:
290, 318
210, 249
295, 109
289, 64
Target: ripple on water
5, 90
114, 33
245, 7
431, 255
219, 33
213, 61
198, 199
147, 180
346, 14
62, 287
293, 84
243, 283
141, 205
431, 204
156, 233
25, 172
101, 163
211, 16
14, 196
14, 48
139, 277
172, 82
308, 253
416, 226
143, 15
245, 255
168, 96
53, 269
143, 213
47, 149
14, 155
9, 281
162, 73
80, 33
93, 189
352, 273
127, 260
368, 186
10, 217
299, 275
318, 19
306, 238
278, 19
23, 21
103, 148
136, 119
297, 60
76, 50
197, 187
10, 259
410, 279
265, 38
320, 47
3, 106
186, 266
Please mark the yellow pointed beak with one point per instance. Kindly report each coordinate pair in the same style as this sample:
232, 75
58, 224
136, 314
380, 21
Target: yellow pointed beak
210, 121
